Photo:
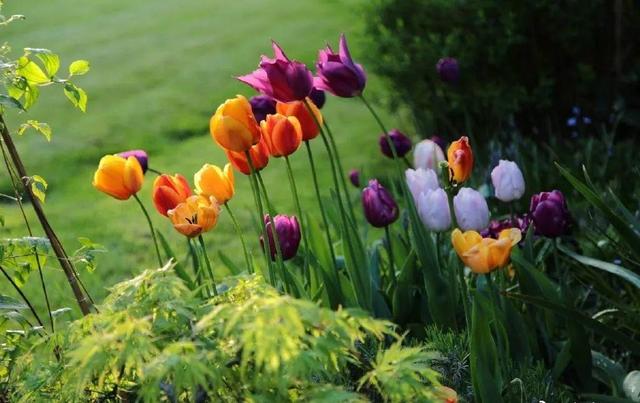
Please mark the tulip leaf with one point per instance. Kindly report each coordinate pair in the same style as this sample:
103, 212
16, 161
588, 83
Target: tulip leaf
78, 67
40, 127
615, 269
10, 304
38, 187
595, 398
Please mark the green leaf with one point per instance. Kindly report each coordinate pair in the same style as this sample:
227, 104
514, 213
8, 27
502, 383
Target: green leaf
50, 60
28, 69
9, 304
78, 68
38, 187
619, 271
40, 127
76, 95
179, 265
6, 100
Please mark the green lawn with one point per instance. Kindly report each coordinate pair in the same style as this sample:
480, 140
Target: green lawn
158, 71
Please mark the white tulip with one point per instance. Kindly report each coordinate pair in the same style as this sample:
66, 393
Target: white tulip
427, 155
433, 208
420, 180
508, 181
472, 212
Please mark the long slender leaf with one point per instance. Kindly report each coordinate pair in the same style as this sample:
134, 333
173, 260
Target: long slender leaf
619, 271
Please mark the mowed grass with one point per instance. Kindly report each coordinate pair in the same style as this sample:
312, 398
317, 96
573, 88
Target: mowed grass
158, 71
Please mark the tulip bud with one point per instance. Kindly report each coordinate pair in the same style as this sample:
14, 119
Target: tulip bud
169, 191
448, 70
307, 121
318, 97
433, 208
197, 214
427, 155
233, 126
483, 255
460, 157
495, 227
288, 232
401, 143
550, 214
379, 207
338, 73
472, 212
259, 157
211, 181
508, 181
420, 181
140, 155
354, 177
261, 106
282, 134
118, 177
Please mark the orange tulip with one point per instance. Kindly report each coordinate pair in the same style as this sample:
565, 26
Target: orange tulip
483, 255
233, 126
195, 215
211, 181
118, 177
282, 134
259, 156
298, 109
446, 395
460, 157
169, 191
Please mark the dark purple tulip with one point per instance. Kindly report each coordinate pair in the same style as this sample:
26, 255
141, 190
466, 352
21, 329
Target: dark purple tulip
288, 230
140, 155
550, 213
280, 78
354, 177
337, 72
521, 222
318, 97
262, 105
441, 142
401, 142
379, 207
448, 69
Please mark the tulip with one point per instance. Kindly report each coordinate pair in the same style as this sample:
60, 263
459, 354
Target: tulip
433, 208
140, 155
379, 207
197, 214
118, 177
448, 69
280, 78
472, 212
421, 180
169, 191
288, 232
354, 177
259, 157
550, 214
337, 72
233, 126
483, 255
261, 106
401, 143
282, 134
495, 227
440, 142
307, 121
318, 97
460, 159
427, 155
508, 181
211, 181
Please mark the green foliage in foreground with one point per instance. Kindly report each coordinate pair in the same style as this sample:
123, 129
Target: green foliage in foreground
154, 340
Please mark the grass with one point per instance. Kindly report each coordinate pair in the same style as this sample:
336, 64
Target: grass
158, 71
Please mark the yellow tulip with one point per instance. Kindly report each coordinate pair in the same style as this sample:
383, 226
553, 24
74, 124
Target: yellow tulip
233, 126
194, 216
118, 177
483, 255
211, 181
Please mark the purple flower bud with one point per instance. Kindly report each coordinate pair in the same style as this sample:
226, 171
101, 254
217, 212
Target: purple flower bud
140, 155
318, 97
379, 207
280, 78
337, 72
401, 143
262, 105
448, 70
354, 177
521, 222
288, 231
550, 214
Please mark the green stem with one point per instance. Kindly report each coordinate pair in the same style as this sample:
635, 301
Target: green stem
392, 270
296, 198
197, 268
23, 296
153, 231
465, 296
239, 232
155, 171
342, 172
208, 263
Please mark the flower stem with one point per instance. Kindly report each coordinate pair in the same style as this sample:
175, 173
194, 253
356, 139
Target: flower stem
392, 270
341, 171
296, 198
153, 231
197, 268
203, 249
239, 231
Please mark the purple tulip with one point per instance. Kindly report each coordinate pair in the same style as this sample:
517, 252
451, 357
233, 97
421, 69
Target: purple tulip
401, 143
280, 78
354, 177
379, 207
288, 231
521, 222
448, 70
262, 105
337, 72
550, 214
318, 97
140, 155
